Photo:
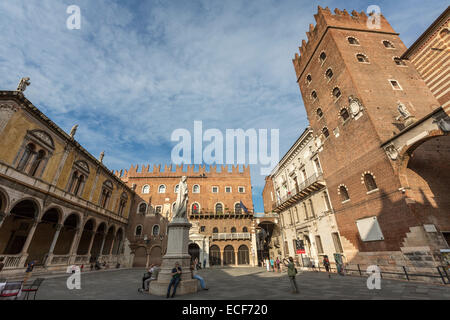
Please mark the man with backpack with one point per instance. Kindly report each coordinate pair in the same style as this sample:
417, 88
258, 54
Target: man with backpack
292, 272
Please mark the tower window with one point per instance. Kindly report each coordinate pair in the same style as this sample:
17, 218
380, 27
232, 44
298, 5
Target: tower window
399, 62
336, 92
314, 95
325, 132
319, 113
362, 58
344, 193
308, 79
353, 41
323, 57
369, 181
388, 44
344, 114
395, 85
329, 74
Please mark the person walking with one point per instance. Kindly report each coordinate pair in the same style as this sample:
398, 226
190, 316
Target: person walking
267, 264
271, 264
292, 272
277, 262
326, 264
29, 271
176, 277
204, 263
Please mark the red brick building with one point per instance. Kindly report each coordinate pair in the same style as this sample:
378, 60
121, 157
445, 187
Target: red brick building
382, 138
222, 231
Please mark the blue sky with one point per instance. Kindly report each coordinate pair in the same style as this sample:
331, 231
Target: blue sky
137, 70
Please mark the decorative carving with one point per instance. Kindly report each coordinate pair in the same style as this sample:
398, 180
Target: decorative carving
8, 108
83, 165
43, 136
182, 199
392, 152
23, 84
73, 131
355, 107
408, 119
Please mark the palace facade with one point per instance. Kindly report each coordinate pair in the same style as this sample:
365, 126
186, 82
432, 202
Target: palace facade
59, 205
222, 234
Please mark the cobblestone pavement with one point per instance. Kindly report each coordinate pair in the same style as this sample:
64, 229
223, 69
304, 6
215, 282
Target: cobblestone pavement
242, 283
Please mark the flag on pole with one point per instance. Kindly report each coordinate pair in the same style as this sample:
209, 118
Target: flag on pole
243, 207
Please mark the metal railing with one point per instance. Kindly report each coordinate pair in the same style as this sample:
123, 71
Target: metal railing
440, 274
300, 187
231, 236
11, 261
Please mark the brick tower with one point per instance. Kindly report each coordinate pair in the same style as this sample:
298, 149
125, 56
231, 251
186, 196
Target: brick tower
358, 96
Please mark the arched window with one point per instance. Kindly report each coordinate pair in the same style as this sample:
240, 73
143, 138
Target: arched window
319, 112
329, 74
237, 208
343, 193
107, 189
336, 92
233, 230
444, 32
244, 229
219, 208
162, 189
138, 231
196, 188
362, 58
325, 132
142, 208
344, 114
323, 57
215, 230
314, 95
195, 208
308, 79
399, 61
146, 189
370, 182
353, 41
29, 150
388, 44
37, 163
122, 203
155, 230
177, 187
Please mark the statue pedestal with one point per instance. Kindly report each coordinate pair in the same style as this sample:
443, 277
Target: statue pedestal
177, 251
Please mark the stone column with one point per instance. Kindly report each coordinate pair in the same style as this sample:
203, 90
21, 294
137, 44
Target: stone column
74, 246
103, 243
24, 252
91, 242
112, 246
52, 246
236, 263
94, 185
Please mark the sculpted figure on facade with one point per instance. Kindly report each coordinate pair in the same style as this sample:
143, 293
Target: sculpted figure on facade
23, 84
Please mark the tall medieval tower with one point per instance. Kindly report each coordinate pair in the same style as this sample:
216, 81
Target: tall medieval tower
358, 94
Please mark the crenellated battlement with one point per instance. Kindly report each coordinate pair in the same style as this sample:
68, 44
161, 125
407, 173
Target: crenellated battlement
325, 19
180, 170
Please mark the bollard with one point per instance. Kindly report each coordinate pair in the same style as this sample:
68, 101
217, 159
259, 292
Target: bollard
359, 269
406, 273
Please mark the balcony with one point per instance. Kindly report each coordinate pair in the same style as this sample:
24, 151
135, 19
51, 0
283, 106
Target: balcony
205, 214
306, 188
231, 236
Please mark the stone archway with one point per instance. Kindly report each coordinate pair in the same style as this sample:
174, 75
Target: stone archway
228, 256
214, 256
43, 236
17, 226
67, 235
86, 237
118, 240
194, 251
98, 241
155, 255
140, 258
243, 255
108, 241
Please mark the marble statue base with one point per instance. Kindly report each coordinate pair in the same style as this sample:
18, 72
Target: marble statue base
177, 251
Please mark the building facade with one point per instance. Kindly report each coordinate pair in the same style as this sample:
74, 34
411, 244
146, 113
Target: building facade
223, 231
59, 205
303, 205
429, 55
382, 138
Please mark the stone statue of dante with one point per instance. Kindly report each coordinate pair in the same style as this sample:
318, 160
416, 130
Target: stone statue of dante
182, 199
23, 84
